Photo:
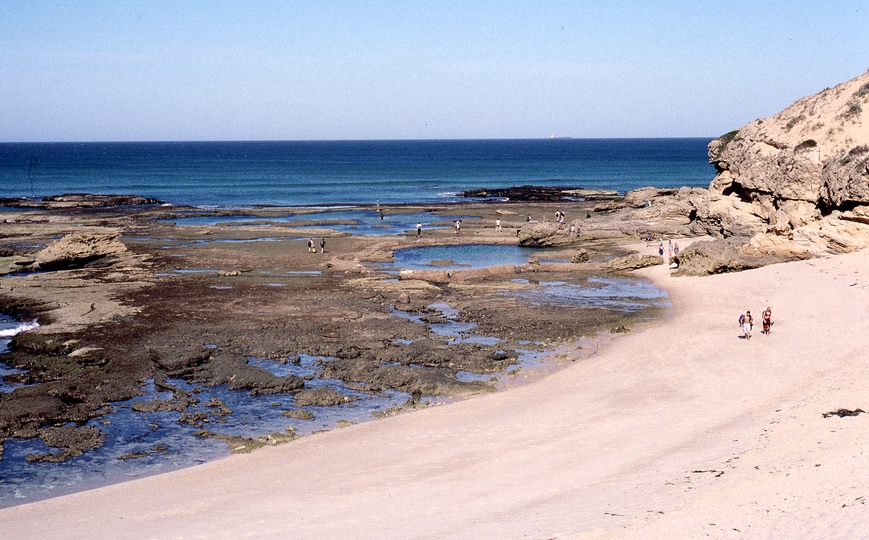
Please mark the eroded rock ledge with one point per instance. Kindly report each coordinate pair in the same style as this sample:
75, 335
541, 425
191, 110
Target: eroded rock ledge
78, 200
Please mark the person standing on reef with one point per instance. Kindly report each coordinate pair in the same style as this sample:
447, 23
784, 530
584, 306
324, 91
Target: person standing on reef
498, 225
322, 245
418, 230
458, 225
310, 245
766, 318
676, 248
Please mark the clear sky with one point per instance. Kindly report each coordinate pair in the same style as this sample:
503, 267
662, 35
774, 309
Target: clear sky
298, 69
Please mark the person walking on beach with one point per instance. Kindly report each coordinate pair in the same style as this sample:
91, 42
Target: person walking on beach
676, 248
498, 225
418, 230
649, 238
458, 225
766, 319
310, 245
745, 322
322, 245
670, 247
661, 247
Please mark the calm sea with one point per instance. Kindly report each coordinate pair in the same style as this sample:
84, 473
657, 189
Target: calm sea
299, 173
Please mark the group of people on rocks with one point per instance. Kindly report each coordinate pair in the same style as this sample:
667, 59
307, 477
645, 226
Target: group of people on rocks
746, 323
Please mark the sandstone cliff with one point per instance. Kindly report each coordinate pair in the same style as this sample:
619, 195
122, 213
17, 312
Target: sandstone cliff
789, 186
802, 173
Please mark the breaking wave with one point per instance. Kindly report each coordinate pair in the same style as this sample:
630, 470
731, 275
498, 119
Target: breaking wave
22, 327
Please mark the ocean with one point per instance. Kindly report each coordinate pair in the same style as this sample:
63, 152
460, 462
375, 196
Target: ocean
307, 173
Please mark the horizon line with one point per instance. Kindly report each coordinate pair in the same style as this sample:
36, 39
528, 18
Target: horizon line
175, 141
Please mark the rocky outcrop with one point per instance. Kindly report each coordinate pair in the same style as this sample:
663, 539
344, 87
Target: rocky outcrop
544, 234
668, 212
79, 200
797, 173
734, 254
322, 397
633, 261
76, 249
580, 256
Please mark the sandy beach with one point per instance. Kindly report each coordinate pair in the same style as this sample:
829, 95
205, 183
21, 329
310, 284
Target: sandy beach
679, 430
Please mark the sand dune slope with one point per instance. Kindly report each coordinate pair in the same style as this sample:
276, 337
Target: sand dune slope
681, 430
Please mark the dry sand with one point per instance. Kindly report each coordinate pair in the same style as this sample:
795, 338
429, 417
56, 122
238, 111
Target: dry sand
680, 430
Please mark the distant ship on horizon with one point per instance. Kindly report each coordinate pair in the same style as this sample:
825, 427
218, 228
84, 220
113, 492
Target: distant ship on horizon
559, 137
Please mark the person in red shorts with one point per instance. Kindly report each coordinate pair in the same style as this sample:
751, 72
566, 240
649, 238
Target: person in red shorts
766, 318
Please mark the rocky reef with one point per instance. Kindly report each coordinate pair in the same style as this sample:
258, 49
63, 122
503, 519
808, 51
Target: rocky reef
540, 193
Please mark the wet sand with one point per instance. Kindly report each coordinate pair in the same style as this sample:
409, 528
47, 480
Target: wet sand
681, 430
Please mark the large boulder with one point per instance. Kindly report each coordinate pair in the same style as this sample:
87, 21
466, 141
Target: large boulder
544, 234
76, 249
580, 256
732, 255
639, 198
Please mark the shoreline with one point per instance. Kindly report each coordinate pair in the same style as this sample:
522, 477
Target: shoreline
142, 308
680, 430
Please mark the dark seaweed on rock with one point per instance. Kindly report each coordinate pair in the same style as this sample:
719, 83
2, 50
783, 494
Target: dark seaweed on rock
530, 193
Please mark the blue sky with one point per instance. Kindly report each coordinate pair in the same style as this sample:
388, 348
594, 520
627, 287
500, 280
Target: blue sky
117, 71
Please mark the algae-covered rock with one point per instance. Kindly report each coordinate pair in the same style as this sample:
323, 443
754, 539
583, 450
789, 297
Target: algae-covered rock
322, 397
72, 439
